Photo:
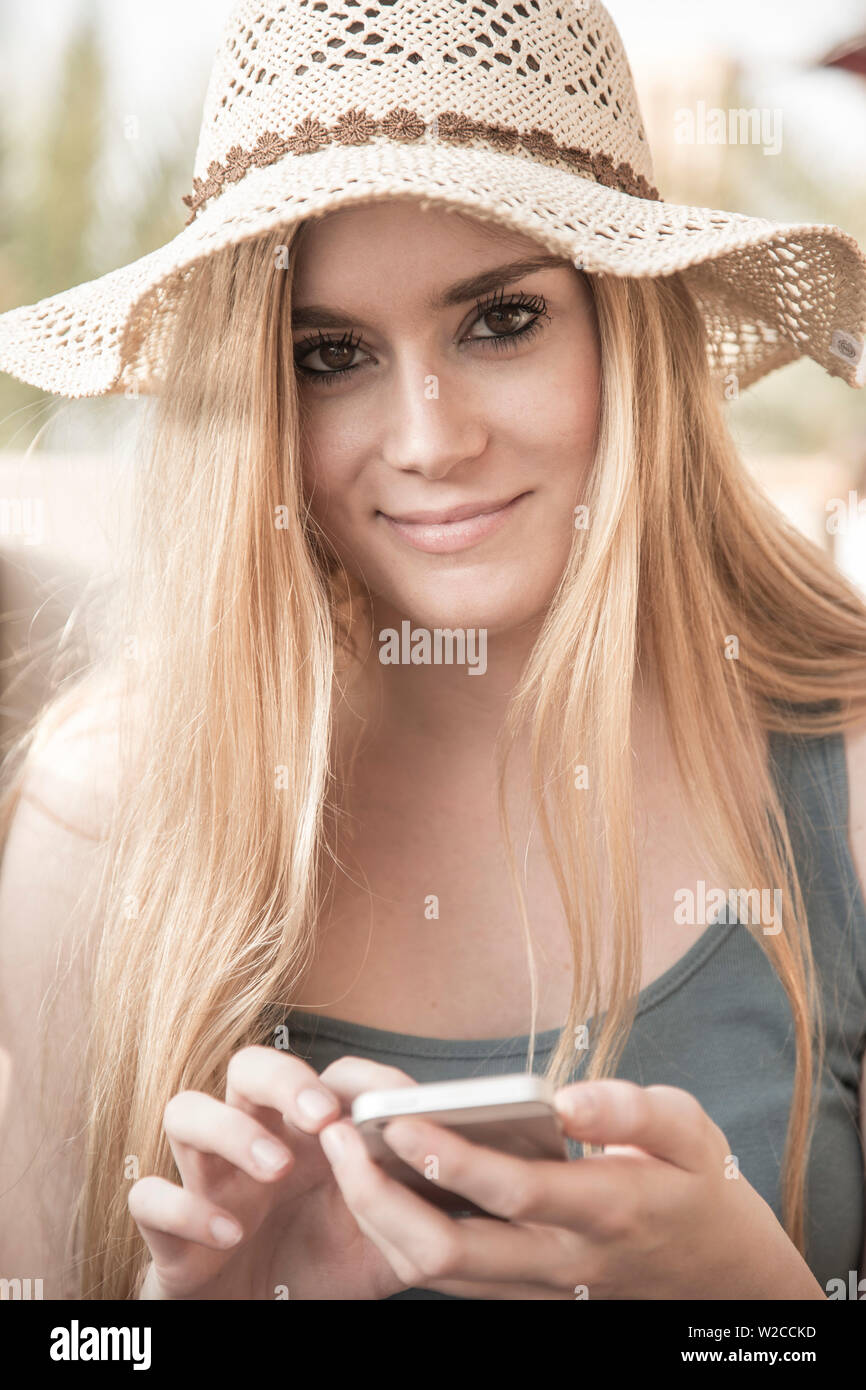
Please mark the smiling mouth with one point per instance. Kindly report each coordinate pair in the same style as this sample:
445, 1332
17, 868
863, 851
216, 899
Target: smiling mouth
454, 529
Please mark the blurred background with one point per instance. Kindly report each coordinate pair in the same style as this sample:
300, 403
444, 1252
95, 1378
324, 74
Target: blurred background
99, 118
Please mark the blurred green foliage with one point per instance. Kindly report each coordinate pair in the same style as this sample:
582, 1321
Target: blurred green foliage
47, 225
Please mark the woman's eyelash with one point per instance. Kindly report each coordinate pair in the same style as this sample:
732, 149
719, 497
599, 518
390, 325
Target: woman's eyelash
534, 304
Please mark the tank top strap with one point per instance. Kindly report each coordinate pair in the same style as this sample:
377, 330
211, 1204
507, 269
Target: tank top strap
812, 776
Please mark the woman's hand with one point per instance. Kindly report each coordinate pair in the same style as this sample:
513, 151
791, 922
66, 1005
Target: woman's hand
662, 1214
294, 1231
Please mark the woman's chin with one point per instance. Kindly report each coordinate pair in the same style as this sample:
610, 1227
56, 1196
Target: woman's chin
468, 612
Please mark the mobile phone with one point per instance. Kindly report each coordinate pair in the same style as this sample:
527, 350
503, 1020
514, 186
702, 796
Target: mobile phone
512, 1113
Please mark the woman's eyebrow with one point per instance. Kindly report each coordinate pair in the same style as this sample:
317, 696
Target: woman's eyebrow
319, 316
488, 280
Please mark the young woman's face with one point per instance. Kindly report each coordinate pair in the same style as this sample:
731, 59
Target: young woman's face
436, 381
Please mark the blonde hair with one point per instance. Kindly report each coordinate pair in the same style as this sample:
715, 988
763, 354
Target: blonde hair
241, 626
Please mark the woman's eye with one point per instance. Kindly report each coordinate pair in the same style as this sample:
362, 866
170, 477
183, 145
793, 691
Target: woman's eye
515, 318
504, 319
335, 356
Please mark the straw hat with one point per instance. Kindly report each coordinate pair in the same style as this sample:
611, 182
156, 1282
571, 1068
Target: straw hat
524, 113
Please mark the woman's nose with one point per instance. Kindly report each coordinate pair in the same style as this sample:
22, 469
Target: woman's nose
432, 422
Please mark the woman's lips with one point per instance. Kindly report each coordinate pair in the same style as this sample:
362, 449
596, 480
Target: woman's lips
440, 537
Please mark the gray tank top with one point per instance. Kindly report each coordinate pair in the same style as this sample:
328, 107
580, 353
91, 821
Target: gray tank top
717, 1024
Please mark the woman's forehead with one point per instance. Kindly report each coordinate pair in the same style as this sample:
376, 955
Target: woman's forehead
394, 249
417, 218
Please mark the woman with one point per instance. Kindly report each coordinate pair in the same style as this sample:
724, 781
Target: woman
310, 878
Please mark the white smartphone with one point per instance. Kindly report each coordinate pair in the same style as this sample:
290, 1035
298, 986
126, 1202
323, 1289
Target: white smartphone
513, 1113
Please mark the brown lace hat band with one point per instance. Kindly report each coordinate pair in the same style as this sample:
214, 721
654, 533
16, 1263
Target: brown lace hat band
358, 128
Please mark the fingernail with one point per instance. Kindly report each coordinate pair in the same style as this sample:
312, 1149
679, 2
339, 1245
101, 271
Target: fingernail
315, 1104
225, 1232
583, 1105
269, 1155
332, 1141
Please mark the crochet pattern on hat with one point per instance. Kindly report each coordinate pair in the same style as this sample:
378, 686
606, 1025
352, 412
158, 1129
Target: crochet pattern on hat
356, 127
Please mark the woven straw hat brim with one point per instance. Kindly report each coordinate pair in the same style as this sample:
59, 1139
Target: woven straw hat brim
770, 292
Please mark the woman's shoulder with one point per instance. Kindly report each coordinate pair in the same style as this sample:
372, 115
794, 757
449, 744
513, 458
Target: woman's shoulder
71, 771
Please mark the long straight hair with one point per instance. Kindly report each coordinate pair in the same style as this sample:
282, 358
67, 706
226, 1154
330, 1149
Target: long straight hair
229, 643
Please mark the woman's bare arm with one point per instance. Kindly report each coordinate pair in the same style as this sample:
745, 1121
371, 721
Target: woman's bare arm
50, 865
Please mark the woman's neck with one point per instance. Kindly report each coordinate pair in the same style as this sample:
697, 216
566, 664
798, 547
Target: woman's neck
401, 708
